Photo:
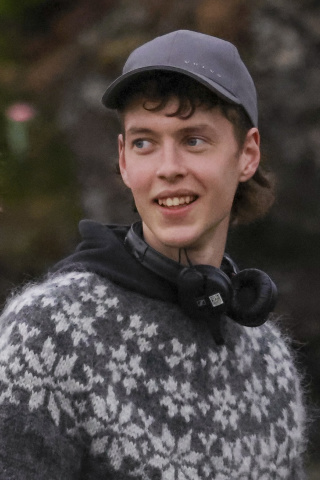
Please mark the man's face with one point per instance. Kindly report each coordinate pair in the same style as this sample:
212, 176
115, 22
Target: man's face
183, 174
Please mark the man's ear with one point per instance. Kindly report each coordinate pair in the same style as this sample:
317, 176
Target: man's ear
122, 160
250, 155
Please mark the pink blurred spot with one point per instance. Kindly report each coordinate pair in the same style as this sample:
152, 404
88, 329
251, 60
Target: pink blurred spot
21, 112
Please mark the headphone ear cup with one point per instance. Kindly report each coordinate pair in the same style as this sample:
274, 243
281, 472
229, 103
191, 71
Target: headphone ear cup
204, 295
203, 287
190, 288
254, 297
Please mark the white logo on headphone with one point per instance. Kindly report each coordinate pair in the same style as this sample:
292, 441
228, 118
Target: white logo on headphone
216, 300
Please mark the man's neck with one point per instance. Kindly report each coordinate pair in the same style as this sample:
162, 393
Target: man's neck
209, 252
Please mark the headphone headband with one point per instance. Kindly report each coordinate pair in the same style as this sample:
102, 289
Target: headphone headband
160, 264
149, 257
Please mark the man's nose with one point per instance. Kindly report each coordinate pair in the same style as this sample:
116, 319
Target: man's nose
171, 163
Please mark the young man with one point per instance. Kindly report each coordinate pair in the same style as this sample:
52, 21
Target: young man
132, 360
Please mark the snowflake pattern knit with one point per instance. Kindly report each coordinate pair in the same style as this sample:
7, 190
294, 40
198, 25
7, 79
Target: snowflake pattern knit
97, 382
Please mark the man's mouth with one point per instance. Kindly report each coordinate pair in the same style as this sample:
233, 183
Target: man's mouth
176, 201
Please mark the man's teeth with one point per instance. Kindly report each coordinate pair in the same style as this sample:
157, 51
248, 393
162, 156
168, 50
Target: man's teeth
175, 201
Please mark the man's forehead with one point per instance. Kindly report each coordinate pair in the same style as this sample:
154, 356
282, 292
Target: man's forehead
139, 121
142, 107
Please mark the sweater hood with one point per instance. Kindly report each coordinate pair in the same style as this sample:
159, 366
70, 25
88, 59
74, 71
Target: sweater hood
103, 252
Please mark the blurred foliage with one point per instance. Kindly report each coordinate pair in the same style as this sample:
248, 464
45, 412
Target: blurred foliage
40, 207
20, 20
39, 196
16, 8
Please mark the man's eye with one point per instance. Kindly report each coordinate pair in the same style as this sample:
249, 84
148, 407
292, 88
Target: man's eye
195, 142
140, 144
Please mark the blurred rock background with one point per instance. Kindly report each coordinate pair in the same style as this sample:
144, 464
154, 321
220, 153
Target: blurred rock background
58, 144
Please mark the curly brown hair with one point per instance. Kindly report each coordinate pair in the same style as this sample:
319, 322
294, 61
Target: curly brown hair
253, 198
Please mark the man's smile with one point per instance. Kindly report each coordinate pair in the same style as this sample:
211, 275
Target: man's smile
176, 200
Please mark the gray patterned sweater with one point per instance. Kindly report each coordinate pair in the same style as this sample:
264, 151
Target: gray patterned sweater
99, 382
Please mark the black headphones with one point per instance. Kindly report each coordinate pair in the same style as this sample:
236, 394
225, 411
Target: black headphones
209, 293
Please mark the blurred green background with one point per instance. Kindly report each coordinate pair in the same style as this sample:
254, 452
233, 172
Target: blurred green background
58, 144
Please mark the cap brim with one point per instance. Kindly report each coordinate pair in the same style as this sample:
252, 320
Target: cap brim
111, 96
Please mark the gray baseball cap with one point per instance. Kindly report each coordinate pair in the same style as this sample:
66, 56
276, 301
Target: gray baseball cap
213, 62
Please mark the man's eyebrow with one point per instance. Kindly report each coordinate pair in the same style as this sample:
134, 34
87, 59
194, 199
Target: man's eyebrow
184, 130
138, 131
196, 128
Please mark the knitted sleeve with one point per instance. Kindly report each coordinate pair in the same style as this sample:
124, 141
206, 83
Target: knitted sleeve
42, 383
